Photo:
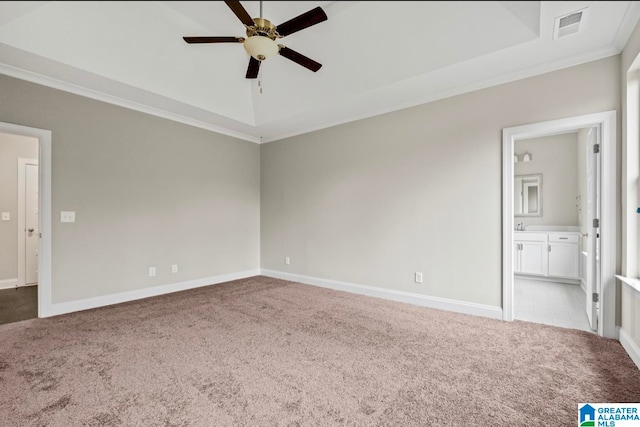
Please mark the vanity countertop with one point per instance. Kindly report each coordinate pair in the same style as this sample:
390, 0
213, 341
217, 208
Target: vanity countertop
549, 229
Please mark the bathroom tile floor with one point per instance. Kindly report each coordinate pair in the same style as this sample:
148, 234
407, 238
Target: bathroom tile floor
551, 303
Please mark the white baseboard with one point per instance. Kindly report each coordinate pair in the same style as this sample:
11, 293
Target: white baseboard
400, 296
630, 346
8, 283
389, 294
95, 302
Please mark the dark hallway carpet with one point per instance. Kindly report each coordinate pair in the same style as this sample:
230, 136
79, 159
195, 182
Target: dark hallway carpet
18, 304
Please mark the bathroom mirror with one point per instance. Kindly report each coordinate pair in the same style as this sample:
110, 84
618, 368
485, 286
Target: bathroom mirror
527, 195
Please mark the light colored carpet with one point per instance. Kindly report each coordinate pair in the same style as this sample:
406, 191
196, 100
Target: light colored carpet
263, 352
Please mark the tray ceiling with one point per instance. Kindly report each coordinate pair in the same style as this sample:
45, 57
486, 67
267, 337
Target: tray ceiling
377, 56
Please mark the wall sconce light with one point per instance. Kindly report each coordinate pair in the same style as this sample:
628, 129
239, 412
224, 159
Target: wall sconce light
526, 157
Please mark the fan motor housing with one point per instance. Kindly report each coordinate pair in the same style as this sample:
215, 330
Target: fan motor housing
264, 28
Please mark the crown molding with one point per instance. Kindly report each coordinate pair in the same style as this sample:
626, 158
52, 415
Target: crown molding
458, 90
318, 124
627, 25
43, 80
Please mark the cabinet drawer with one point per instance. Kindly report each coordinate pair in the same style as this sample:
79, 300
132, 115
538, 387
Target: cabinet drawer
530, 237
563, 238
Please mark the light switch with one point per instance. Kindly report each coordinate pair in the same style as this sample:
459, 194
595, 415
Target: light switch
6, 216
67, 216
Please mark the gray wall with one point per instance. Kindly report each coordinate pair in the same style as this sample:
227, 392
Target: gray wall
373, 201
368, 202
12, 147
555, 157
146, 191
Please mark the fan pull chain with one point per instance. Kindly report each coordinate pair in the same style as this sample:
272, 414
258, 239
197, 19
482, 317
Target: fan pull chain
260, 80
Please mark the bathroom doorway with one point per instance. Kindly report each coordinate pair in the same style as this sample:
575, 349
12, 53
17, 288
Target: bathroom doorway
563, 250
552, 233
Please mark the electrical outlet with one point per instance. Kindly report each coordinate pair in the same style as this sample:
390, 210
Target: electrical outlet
174, 268
418, 277
287, 260
152, 271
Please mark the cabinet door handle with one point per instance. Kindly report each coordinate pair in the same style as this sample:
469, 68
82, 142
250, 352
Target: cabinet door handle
549, 246
563, 238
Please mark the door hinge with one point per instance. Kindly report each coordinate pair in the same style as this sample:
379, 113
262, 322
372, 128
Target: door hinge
596, 148
596, 297
596, 223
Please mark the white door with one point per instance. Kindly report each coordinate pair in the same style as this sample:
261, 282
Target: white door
31, 224
593, 235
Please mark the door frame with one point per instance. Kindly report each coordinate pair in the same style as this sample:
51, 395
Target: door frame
22, 167
606, 121
44, 217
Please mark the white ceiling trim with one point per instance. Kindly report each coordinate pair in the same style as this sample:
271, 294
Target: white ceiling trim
33, 77
506, 78
627, 25
101, 96
459, 90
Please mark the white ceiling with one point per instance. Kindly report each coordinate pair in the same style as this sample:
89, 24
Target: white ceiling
377, 56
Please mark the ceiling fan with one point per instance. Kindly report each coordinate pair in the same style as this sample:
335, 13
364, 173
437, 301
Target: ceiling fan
261, 35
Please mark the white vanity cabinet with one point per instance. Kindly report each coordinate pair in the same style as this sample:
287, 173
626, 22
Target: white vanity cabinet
547, 254
564, 255
530, 255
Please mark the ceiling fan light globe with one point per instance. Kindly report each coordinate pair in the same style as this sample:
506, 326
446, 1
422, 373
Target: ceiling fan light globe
260, 47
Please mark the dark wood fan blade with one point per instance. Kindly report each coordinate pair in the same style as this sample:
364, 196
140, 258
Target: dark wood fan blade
213, 39
240, 12
299, 58
307, 19
254, 67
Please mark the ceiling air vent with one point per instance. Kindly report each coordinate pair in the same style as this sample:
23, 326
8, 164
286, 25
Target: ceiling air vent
569, 23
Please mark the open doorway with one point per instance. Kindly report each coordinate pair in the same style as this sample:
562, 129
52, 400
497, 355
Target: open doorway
25, 222
555, 203
18, 227
530, 254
